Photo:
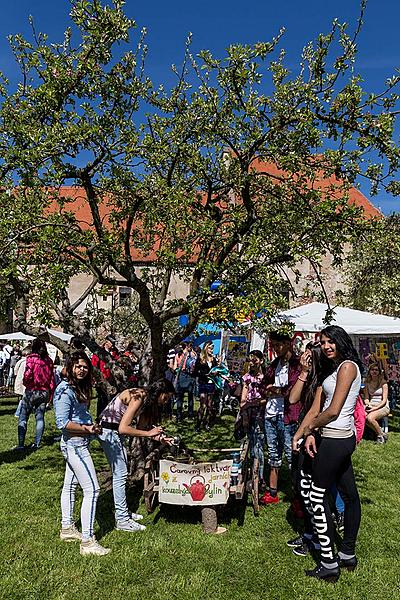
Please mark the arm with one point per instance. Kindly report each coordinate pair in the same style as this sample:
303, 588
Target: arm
346, 375
125, 427
366, 395
385, 392
28, 374
297, 389
310, 416
245, 392
82, 429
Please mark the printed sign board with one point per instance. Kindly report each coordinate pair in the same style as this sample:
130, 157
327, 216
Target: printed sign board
194, 485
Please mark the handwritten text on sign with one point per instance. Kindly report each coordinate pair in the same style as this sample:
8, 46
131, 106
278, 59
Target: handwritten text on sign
195, 485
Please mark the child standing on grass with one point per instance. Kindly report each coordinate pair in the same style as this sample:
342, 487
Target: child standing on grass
71, 404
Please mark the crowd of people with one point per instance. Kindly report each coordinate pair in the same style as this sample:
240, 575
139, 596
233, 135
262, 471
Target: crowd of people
305, 408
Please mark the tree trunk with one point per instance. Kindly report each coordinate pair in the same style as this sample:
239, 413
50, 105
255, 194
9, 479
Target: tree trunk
155, 356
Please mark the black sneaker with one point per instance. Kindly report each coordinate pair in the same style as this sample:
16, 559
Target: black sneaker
324, 574
348, 563
302, 550
295, 542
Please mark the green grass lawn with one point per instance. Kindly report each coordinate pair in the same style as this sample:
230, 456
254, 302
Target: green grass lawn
173, 558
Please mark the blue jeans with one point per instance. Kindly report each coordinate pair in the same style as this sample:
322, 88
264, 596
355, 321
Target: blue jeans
279, 438
25, 412
114, 449
337, 498
79, 469
257, 442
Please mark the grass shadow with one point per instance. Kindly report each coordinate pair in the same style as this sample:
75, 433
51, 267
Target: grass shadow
7, 411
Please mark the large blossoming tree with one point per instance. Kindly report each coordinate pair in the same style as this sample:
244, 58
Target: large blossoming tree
217, 178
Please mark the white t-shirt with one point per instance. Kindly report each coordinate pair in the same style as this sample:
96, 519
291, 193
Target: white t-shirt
345, 418
275, 404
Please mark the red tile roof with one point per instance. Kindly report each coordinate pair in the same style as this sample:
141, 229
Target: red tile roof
356, 198
80, 207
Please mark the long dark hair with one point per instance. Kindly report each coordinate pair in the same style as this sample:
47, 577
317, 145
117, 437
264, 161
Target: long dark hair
344, 345
151, 409
320, 368
83, 387
39, 347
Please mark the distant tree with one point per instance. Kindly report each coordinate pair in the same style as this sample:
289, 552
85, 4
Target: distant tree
373, 273
170, 173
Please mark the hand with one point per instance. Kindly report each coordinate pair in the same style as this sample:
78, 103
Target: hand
269, 389
305, 361
97, 428
310, 445
295, 441
90, 428
155, 431
167, 440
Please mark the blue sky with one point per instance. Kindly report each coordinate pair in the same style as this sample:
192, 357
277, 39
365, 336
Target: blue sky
215, 24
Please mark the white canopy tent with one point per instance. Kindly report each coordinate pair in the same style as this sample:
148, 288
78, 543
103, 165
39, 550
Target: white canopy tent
18, 335
23, 337
310, 318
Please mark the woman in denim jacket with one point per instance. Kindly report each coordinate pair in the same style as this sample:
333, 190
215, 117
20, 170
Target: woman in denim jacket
71, 405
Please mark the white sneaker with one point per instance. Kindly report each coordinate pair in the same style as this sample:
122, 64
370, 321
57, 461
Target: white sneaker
129, 525
70, 534
136, 516
92, 546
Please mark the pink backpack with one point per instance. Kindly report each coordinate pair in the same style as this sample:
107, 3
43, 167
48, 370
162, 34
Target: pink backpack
360, 416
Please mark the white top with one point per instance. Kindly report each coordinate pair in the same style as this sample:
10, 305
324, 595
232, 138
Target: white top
275, 404
376, 398
19, 371
345, 419
114, 411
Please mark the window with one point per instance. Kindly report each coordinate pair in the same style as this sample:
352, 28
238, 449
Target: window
124, 294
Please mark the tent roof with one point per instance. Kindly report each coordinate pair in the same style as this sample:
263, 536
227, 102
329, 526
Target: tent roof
17, 335
309, 317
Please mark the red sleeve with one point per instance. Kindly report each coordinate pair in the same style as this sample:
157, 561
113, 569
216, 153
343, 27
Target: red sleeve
28, 378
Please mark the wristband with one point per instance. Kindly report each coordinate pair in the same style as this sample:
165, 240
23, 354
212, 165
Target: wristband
300, 379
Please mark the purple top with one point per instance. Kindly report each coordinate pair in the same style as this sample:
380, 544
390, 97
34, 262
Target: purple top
254, 384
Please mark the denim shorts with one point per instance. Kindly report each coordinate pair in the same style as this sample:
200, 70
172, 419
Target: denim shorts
206, 388
279, 438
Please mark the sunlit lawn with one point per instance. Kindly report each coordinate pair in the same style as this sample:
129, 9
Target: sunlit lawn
173, 558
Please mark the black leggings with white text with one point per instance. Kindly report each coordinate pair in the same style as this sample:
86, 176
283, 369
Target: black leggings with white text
331, 464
